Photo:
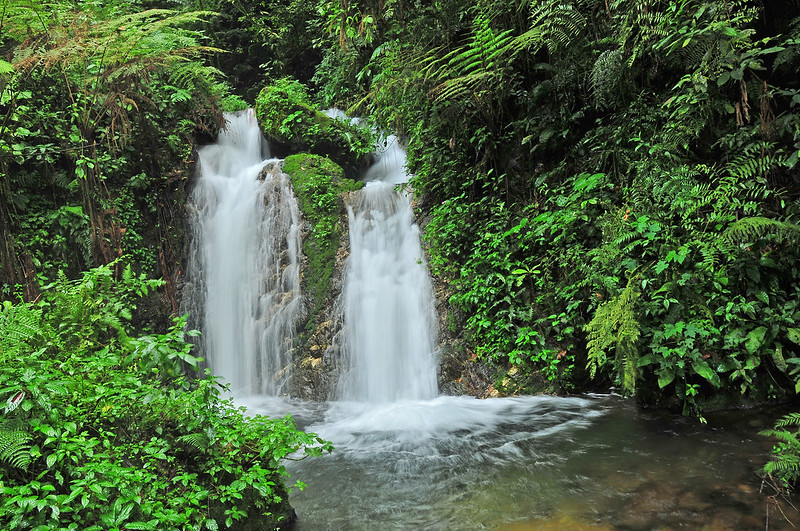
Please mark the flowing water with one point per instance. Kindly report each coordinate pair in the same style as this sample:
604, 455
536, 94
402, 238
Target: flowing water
389, 318
406, 458
529, 463
244, 261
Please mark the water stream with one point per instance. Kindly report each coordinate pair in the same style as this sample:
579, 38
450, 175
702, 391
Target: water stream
389, 334
406, 458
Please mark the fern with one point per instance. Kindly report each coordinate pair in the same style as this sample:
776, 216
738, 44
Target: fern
198, 441
15, 446
755, 228
474, 67
553, 24
19, 325
608, 73
614, 323
786, 464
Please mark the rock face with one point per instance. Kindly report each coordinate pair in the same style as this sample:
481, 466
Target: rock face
322, 192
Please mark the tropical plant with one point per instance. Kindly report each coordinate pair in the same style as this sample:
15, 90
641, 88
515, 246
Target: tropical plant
74, 453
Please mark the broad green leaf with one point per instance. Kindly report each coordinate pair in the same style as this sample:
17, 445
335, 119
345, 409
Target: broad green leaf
665, 379
755, 339
703, 369
777, 357
793, 334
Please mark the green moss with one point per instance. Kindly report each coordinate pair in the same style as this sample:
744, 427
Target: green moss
319, 184
287, 116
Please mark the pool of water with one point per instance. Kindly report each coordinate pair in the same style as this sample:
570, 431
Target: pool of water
594, 462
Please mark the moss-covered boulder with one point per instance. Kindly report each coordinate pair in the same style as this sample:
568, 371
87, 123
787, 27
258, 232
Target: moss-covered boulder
320, 186
292, 124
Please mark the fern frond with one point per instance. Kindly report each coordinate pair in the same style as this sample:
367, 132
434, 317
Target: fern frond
615, 323
607, 74
553, 24
15, 447
198, 441
473, 67
792, 419
755, 228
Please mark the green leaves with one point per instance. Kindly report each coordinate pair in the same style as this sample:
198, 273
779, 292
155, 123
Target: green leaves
755, 339
106, 427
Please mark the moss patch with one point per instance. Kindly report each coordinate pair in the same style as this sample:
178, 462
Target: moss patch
288, 118
319, 184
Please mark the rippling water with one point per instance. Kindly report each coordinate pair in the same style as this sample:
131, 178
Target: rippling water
595, 462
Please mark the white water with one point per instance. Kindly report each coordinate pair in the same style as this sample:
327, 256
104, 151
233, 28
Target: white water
389, 317
244, 262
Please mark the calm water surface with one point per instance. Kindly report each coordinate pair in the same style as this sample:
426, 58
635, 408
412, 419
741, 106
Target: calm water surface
595, 462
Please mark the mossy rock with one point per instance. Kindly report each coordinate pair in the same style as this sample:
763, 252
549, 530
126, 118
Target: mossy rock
320, 185
292, 124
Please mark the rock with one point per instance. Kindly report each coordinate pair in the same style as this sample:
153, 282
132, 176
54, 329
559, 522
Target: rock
291, 123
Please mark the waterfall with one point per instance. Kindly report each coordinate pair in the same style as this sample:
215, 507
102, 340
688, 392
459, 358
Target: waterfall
389, 317
243, 290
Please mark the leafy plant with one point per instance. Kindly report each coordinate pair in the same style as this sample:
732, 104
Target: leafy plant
785, 467
101, 426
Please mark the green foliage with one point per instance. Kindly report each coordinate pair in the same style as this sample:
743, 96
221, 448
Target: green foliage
785, 467
611, 185
614, 323
286, 115
102, 428
99, 115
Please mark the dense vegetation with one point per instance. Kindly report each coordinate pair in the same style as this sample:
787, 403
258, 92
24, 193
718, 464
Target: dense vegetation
612, 186
104, 429
629, 170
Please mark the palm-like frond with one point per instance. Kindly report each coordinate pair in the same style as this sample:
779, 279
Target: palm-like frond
475, 66
553, 24
755, 228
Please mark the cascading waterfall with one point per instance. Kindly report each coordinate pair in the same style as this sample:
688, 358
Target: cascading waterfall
244, 261
389, 316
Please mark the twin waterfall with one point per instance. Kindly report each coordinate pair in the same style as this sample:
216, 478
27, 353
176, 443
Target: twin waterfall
243, 290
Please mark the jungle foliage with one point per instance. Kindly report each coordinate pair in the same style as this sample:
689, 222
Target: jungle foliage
629, 173
106, 428
611, 187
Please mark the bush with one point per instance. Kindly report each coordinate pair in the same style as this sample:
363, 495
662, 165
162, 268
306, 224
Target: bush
104, 430
290, 121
